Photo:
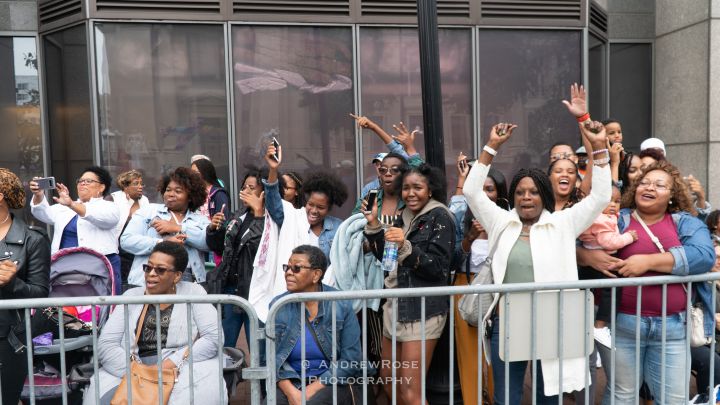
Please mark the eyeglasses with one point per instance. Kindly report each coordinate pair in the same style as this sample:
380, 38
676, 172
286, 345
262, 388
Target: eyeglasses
660, 186
295, 269
137, 184
394, 170
158, 270
86, 181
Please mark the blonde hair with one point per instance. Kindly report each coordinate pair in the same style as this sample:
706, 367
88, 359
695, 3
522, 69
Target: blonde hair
124, 179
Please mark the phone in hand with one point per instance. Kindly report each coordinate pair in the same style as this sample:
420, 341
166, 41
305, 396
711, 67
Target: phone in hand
276, 144
46, 183
371, 197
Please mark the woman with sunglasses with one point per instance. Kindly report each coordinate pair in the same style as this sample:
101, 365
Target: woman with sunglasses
303, 274
89, 221
163, 274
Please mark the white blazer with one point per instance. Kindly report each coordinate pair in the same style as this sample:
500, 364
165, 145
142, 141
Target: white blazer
552, 243
96, 230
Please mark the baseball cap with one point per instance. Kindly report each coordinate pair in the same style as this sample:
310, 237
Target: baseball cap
379, 157
581, 151
653, 143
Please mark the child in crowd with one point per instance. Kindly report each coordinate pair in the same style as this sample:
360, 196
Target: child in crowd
604, 234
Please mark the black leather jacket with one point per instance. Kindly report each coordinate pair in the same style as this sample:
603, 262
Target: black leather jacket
29, 246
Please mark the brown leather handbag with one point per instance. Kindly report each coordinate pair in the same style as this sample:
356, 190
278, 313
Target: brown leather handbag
144, 379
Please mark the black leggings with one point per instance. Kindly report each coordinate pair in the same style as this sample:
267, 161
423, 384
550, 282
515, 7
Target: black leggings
13, 371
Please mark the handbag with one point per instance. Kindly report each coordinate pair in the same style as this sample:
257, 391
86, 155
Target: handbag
697, 324
471, 306
144, 378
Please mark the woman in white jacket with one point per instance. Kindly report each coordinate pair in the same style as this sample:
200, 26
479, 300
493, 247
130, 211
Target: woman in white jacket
88, 222
536, 244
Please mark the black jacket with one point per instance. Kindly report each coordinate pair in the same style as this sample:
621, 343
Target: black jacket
238, 253
432, 237
30, 248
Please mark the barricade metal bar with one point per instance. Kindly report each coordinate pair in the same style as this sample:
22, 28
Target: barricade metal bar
221, 357
188, 320
302, 353
364, 350
711, 380
638, 308
506, 349
663, 358
533, 346
63, 359
334, 350
394, 350
28, 347
688, 307
423, 344
452, 350
158, 350
585, 345
128, 359
96, 361
481, 350
613, 314
561, 327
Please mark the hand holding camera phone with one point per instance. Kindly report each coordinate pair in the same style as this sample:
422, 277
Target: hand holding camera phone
45, 183
371, 198
276, 144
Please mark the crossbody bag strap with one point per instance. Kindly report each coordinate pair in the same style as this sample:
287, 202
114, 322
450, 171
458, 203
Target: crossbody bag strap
652, 236
308, 324
141, 322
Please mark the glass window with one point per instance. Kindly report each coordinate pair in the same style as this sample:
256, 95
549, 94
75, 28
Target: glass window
21, 150
391, 92
161, 97
598, 78
67, 85
524, 75
631, 91
296, 83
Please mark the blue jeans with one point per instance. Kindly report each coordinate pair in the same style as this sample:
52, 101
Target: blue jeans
517, 375
650, 364
232, 321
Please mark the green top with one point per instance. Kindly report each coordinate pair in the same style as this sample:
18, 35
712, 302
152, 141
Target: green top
519, 264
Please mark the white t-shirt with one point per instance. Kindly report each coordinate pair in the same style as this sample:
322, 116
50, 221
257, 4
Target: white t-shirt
313, 239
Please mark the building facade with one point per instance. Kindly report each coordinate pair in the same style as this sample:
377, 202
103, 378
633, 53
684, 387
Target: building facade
130, 84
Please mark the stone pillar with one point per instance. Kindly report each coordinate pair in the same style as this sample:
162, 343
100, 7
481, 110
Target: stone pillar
18, 15
687, 87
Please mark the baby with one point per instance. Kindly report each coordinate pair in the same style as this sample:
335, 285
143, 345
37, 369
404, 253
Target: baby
604, 234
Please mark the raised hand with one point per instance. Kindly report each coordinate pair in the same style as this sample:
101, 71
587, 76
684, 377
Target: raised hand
404, 136
63, 195
462, 165
500, 133
594, 133
577, 105
616, 150
363, 122
270, 156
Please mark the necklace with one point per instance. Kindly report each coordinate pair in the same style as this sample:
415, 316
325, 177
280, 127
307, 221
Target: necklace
6, 218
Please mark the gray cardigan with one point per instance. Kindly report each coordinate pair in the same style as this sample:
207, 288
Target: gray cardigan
111, 348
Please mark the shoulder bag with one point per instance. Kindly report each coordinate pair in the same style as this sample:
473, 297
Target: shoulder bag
697, 324
472, 306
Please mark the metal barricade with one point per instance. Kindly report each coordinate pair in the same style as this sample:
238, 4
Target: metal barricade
254, 372
507, 290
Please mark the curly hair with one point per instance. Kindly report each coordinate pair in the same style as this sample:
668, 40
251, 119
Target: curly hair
12, 189
435, 180
328, 184
575, 194
680, 199
542, 182
190, 181
712, 220
124, 179
654, 153
103, 175
258, 173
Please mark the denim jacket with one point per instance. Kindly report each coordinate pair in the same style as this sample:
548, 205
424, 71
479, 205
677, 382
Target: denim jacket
273, 203
349, 346
139, 239
695, 256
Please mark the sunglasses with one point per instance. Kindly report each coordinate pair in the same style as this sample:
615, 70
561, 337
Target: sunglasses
158, 270
394, 170
295, 269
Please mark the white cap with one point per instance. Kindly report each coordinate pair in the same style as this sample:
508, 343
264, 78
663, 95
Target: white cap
653, 143
195, 158
581, 151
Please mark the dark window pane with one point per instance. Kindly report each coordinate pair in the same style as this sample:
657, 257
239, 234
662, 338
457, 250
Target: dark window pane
297, 84
21, 150
390, 77
598, 78
631, 91
524, 75
67, 84
162, 97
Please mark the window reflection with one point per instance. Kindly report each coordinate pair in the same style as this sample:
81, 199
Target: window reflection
524, 75
598, 77
161, 97
631, 91
21, 150
295, 83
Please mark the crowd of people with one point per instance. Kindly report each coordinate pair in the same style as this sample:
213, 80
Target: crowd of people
598, 210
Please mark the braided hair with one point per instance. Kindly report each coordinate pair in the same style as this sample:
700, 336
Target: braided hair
542, 182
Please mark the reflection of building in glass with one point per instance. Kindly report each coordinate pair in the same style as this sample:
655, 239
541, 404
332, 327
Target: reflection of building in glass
27, 90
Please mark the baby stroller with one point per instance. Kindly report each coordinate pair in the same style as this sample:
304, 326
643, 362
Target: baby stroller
74, 272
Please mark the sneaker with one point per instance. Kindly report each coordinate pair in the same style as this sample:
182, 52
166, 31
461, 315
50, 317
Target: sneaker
602, 336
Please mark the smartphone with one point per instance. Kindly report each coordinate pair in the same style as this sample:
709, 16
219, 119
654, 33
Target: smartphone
46, 183
276, 144
371, 197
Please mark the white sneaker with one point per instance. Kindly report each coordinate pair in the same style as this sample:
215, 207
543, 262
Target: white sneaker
602, 336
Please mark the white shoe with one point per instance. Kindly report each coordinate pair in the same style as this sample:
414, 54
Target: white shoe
602, 336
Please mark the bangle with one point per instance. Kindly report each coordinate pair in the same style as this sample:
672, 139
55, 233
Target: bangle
583, 118
599, 151
490, 150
